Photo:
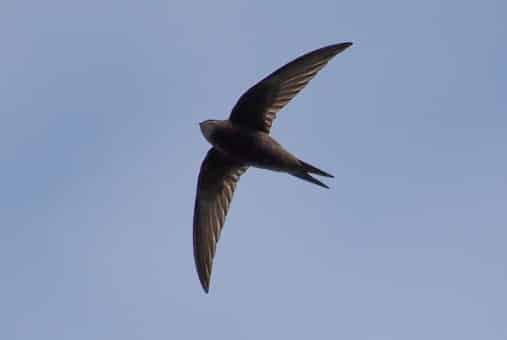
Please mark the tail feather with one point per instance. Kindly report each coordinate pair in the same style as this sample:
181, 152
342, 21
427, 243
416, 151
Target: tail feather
313, 170
305, 176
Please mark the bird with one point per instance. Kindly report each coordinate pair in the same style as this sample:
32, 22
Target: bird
242, 141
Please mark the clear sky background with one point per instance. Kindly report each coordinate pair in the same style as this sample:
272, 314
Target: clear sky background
100, 151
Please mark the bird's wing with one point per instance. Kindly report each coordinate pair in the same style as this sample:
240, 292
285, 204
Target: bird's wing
215, 187
257, 107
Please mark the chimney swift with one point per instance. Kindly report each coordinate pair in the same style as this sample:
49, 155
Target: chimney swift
242, 141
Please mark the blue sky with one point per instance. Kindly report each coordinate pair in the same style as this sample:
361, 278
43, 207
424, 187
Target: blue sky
100, 151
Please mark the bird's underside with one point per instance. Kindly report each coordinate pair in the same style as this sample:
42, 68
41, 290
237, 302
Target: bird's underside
232, 154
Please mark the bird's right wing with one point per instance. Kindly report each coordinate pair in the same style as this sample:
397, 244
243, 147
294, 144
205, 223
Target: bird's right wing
217, 180
257, 107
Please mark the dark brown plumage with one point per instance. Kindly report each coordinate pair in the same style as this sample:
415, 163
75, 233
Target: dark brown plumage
242, 141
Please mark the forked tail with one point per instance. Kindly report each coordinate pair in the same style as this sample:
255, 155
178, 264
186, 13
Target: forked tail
313, 170
307, 169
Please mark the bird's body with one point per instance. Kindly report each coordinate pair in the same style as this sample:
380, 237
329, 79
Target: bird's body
244, 141
247, 146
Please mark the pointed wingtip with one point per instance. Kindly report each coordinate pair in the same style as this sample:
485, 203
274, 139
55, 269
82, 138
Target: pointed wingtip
204, 278
205, 287
342, 46
333, 49
205, 284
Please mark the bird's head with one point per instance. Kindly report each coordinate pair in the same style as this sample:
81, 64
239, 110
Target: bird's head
207, 128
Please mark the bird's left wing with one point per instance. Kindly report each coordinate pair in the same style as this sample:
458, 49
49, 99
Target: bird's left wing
215, 187
257, 107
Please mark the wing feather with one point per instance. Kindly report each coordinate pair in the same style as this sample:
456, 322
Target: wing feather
257, 108
217, 180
